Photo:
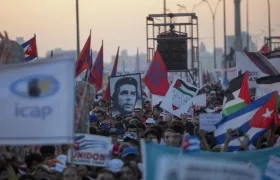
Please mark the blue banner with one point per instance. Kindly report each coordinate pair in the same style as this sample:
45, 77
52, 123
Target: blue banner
153, 152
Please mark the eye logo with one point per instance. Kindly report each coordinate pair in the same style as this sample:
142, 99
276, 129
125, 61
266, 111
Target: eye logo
38, 86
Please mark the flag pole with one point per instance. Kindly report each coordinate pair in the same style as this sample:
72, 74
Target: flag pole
36, 46
78, 28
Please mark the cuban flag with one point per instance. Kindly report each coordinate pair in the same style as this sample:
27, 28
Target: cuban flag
190, 144
252, 120
30, 49
81, 142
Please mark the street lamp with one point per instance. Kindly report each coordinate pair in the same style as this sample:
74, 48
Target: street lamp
78, 28
247, 23
269, 23
213, 13
181, 6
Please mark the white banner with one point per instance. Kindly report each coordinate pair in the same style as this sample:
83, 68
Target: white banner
178, 94
37, 102
91, 150
207, 121
193, 168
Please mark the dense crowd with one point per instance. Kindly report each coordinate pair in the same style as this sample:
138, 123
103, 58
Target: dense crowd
150, 123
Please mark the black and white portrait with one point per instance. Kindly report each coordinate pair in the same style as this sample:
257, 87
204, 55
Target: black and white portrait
125, 94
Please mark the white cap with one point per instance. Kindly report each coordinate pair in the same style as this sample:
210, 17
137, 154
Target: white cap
115, 165
150, 121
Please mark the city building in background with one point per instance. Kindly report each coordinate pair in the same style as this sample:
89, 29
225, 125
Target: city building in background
127, 62
231, 39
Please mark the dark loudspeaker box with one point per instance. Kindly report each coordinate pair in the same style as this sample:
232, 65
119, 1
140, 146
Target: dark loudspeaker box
173, 51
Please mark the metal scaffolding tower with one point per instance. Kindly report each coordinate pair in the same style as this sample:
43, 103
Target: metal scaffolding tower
181, 22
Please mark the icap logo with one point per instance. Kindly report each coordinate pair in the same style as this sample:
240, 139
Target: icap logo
34, 87
37, 86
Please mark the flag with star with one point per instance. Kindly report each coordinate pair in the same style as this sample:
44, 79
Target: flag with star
30, 49
253, 120
266, 115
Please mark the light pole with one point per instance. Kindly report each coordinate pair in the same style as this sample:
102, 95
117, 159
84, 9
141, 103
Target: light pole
78, 27
213, 13
225, 37
164, 12
247, 24
269, 24
181, 6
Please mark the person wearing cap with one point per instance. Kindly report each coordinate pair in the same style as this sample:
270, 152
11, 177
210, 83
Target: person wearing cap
130, 154
115, 165
93, 121
131, 138
125, 96
149, 122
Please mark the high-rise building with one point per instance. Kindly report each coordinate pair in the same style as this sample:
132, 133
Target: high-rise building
231, 39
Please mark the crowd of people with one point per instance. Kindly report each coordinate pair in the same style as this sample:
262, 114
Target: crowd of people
150, 123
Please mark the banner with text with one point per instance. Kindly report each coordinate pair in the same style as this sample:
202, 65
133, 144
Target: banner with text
90, 150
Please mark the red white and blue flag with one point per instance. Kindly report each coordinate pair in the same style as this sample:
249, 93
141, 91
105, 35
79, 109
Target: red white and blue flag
253, 120
30, 49
190, 144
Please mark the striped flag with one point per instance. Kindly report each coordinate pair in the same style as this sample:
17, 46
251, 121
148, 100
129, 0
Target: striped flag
185, 88
262, 63
190, 144
244, 120
237, 95
268, 84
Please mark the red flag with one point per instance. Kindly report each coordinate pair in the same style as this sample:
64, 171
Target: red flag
244, 92
96, 72
32, 49
156, 77
83, 60
106, 95
264, 49
266, 115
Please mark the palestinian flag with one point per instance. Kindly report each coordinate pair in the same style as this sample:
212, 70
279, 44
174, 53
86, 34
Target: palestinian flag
270, 83
188, 90
237, 95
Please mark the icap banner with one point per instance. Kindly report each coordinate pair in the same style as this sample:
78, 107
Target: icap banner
152, 153
37, 102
